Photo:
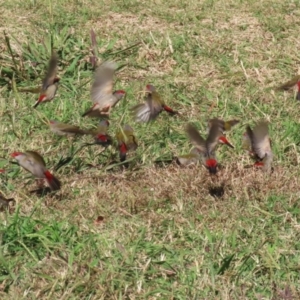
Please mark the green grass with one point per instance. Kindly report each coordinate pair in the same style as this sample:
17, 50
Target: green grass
164, 234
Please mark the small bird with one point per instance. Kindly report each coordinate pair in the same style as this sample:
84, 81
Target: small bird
291, 83
35, 164
223, 126
206, 147
126, 141
60, 128
50, 82
100, 134
152, 107
4, 203
102, 94
188, 159
257, 142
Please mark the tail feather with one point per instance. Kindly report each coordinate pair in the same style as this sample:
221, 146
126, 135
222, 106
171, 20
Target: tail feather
37, 104
169, 110
123, 152
53, 182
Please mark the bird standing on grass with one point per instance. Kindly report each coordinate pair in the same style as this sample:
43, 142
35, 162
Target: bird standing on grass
102, 94
257, 142
50, 82
152, 107
126, 141
206, 148
35, 164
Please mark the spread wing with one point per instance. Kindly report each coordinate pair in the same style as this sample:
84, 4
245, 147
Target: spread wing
213, 137
195, 138
51, 72
102, 87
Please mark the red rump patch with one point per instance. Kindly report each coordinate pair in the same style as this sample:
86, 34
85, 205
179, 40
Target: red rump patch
168, 109
223, 140
121, 92
15, 154
123, 148
259, 164
42, 98
102, 137
48, 175
211, 163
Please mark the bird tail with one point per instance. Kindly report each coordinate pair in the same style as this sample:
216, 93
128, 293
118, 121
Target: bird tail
53, 182
169, 110
123, 152
37, 104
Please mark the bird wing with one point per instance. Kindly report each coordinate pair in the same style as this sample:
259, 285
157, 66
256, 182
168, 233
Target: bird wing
213, 136
195, 138
102, 87
260, 140
51, 72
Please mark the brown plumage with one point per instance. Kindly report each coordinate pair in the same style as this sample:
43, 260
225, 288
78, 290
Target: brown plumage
60, 128
102, 94
35, 164
50, 82
207, 148
257, 142
152, 107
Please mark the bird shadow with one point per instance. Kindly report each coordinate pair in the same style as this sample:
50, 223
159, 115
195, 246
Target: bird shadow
216, 191
41, 192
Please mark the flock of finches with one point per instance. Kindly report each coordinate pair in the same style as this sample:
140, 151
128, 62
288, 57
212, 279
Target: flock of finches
256, 141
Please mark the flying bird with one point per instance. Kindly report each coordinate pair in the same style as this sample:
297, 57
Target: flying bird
152, 107
224, 126
257, 142
100, 134
102, 94
206, 148
60, 128
34, 163
50, 82
126, 141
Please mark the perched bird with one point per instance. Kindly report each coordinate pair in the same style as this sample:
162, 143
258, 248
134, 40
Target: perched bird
126, 141
4, 203
152, 107
102, 94
206, 147
188, 159
35, 164
291, 83
257, 142
223, 127
50, 82
100, 134
60, 128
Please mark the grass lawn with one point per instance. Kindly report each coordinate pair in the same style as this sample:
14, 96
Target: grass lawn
152, 230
